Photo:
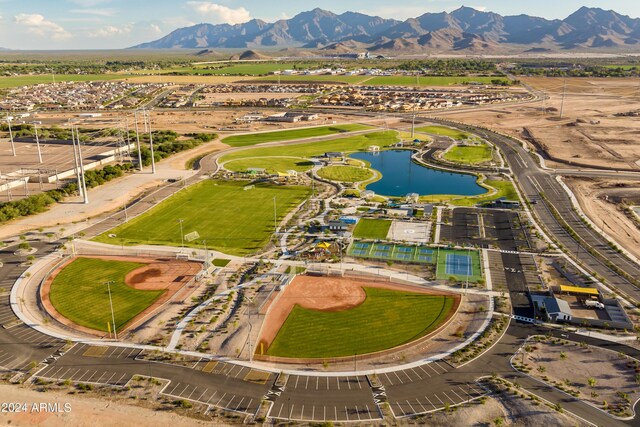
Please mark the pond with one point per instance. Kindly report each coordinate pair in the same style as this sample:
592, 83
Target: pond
401, 176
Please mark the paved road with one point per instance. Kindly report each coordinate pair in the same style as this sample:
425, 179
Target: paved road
305, 397
553, 206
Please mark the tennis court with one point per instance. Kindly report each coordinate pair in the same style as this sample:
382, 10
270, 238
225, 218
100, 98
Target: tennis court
460, 264
391, 252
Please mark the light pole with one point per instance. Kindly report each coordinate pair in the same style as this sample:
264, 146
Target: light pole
181, 234
275, 217
35, 129
81, 161
153, 161
13, 146
135, 115
113, 317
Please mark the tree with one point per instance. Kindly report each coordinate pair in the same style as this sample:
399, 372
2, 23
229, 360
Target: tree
591, 381
563, 355
542, 369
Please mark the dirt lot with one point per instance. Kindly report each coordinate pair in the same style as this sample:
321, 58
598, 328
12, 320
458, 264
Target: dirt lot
600, 377
599, 138
167, 274
87, 411
601, 199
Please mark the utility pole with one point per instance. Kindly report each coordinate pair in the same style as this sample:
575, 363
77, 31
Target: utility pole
76, 164
13, 146
84, 181
113, 316
35, 128
135, 114
564, 93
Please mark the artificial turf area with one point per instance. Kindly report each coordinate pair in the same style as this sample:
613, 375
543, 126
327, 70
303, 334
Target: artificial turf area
225, 215
469, 154
386, 319
345, 173
474, 269
79, 293
291, 134
443, 131
376, 229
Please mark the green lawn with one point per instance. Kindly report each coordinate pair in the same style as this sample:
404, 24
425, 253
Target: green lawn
310, 149
469, 154
444, 131
16, 81
229, 218
80, 294
505, 189
271, 164
474, 274
384, 320
316, 78
345, 173
376, 229
291, 134
430, 80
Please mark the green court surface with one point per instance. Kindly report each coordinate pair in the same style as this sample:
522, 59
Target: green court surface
291, 134
460, 264
231, 216
368, 228
79, 293
458, 268
386, 319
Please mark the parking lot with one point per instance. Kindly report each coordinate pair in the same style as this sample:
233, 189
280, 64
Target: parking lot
422, 389
98, 365
313, 398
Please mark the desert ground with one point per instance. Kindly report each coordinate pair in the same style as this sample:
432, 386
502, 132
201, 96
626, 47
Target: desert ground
604, 202
589, 132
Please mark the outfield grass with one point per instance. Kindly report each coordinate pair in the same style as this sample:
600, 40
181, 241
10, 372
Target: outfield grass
310, 149
345, 173
476, 269
80, 294
443, 131
291, 134
229, 218
429, 80
470, 155
376, 229
386, 319
16, 81
271, 164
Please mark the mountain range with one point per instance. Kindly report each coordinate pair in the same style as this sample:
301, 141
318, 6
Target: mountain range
464, 29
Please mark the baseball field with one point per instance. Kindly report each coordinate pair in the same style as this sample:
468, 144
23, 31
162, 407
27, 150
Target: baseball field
325, 317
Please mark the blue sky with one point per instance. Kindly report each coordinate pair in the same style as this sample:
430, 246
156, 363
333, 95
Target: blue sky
103, 24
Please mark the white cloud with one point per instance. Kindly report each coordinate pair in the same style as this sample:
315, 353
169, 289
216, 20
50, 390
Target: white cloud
219, 14
97, 12
36, 24
111, 31
155, 28
89, 3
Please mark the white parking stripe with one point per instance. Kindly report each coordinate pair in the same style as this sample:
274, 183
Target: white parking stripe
434, 406
221, 399
388, 379
447, 396
240, 403
212, 396
396, 374
400, 407
200, 397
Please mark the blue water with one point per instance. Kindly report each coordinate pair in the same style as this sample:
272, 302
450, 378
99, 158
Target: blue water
401, 176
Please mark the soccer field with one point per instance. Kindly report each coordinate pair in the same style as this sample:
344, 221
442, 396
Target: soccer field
288, 135
386, 319
372, 229
229, 218
79, 293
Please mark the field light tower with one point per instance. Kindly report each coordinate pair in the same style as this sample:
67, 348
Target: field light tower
113, 316
181, 234
148, 120
13, 146
135, 115
35, 129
